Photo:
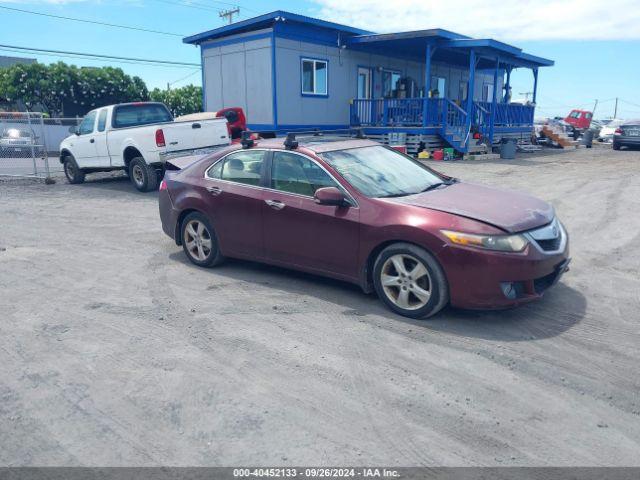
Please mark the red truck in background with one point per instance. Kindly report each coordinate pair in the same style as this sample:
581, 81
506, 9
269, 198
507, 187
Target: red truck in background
579, 120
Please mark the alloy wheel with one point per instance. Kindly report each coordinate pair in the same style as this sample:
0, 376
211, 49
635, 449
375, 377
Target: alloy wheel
138, 175
406, 281
197, 239
69, 170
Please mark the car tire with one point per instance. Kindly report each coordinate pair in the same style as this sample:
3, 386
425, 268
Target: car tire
410, 281
199, 241
142, 175
616, 146
71, 170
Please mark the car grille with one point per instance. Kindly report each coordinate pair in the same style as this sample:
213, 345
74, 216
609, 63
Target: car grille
549, 238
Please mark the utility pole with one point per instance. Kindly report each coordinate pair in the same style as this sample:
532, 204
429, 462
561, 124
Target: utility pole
615, 110
229, 14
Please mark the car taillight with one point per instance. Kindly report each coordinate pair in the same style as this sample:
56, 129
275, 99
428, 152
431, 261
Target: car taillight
160, 138
618, 131
163, 185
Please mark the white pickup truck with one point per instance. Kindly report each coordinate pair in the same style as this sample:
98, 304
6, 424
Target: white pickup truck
137, 138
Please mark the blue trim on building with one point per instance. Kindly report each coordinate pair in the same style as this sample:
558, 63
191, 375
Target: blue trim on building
274, 84
267, 20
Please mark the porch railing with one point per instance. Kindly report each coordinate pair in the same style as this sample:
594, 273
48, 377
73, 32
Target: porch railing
510, 114
408, 112
396, 112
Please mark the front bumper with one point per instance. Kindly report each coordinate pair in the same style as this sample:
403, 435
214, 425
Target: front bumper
481, 279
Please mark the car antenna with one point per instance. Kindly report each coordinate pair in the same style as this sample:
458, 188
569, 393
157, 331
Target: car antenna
290, 142
247, 141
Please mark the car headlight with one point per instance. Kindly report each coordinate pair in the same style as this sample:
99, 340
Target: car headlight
501, 243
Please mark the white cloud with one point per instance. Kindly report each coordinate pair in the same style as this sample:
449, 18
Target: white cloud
499, 19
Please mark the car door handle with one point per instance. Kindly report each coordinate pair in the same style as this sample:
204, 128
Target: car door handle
275, 204
214, 190
92, 140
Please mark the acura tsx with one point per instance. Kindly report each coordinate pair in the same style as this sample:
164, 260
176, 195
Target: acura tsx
359, 211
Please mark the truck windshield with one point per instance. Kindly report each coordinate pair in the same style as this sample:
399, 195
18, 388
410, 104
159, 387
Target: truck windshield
137, 114
378, 171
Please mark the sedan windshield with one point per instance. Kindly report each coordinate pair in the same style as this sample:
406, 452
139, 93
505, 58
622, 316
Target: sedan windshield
382, 172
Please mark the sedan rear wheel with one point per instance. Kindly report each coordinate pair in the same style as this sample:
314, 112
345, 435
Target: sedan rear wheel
410, 281
199, 241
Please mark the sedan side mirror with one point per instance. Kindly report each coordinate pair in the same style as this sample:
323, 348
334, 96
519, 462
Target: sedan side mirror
75, 130
330, 196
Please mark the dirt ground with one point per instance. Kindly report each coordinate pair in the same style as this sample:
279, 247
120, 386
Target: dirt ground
116, 351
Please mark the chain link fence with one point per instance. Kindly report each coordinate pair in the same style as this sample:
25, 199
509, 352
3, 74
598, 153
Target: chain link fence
29, 143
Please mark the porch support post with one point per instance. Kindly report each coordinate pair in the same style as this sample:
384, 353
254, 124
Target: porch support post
427, 86
507, 85
494, 100
470, 93
535, 84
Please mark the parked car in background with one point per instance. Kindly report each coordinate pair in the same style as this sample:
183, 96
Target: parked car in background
627, 135
607, 131
578, 121
358, 211
137, 138
19, 142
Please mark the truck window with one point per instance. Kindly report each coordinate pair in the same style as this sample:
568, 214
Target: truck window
136, 114
86, 126
102, 120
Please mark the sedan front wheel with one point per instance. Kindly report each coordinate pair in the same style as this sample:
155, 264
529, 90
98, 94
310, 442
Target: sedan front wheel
410, 281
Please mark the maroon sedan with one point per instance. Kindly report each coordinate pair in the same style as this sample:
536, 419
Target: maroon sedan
355, 210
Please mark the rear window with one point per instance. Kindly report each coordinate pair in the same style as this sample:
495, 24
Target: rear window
140, 114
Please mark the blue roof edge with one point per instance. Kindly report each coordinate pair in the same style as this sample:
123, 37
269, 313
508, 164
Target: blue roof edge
269, 18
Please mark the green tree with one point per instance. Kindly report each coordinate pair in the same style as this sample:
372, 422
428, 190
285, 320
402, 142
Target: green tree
66, 90
180, 101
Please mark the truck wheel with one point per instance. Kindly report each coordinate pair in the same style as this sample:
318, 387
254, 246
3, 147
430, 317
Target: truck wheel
142, 175
71, 170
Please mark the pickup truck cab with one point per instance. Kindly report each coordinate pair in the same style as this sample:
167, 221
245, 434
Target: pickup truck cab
137, 138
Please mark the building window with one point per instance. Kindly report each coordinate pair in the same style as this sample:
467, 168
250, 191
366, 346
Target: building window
390, 81
487, 92
314, 76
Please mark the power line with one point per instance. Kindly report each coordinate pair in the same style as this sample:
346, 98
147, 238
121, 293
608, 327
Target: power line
95, 22
184, 78
102, 56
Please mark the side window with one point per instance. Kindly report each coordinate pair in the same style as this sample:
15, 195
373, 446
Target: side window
243, 167
296, 174
87, 123
215, 170
314, 76
102, 120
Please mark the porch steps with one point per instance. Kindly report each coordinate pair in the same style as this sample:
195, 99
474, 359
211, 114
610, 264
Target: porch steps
558, 136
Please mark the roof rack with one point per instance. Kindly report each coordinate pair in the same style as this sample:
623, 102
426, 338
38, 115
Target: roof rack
318, 135
247, 141
290, 142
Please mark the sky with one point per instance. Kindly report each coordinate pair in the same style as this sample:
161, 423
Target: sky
595, 44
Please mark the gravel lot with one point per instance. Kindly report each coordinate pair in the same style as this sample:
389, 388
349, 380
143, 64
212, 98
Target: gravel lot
116, 351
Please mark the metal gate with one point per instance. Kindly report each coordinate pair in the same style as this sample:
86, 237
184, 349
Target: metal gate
23, 149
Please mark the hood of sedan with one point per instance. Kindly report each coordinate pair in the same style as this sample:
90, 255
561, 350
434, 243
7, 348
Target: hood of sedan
510, 211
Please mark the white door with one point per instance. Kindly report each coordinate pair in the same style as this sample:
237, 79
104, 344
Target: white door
364, 83
84, 145
100, 137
